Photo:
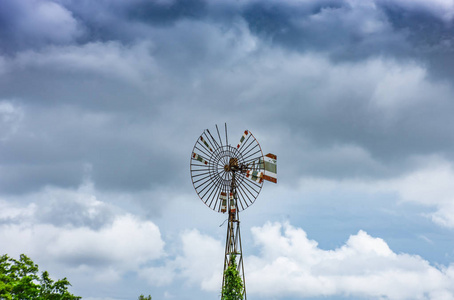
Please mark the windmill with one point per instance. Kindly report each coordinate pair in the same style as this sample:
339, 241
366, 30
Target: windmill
228, 178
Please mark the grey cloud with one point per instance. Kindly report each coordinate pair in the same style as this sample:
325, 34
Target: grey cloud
61, 211
122, 156
132, 111
340, 105
34, 24
344, 30
23, 178
59, 206
166, 12
131, 20
351, 30
76, 115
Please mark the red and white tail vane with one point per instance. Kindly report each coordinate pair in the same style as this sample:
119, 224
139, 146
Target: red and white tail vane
270, 166
242, 139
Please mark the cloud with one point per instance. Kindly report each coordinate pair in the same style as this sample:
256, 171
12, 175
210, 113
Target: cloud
127, 243
201, 259
40, 153
112, 250
75, 230
441, 9
74, 208
427, 183
287, 263
129, 64
34, 23
107, 97
343, 30
335, 27
291, 265
12, 213
10, 118
432, 186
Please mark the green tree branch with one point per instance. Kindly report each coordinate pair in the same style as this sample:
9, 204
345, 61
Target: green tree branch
19, 280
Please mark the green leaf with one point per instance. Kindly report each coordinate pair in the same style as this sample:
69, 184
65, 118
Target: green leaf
233, 284
19, 280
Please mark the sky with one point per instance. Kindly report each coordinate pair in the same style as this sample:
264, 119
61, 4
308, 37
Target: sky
101, 103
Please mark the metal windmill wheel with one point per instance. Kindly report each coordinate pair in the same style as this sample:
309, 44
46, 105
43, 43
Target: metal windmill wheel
220, 171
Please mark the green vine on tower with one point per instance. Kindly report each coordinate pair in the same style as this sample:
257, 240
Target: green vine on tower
233, 285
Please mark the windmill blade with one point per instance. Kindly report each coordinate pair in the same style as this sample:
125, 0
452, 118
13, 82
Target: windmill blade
232, 203
205, 143
223, 198
270, 166
242, 139
195, 156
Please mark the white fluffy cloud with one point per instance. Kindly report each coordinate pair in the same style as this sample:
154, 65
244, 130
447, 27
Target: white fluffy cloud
126, 243
106, 251
201, 261
204, 254
290, 264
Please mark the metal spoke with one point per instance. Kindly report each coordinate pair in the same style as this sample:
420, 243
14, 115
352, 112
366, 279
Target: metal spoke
226, 138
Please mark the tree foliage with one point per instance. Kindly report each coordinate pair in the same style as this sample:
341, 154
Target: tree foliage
19, 280
233, 284
142, 297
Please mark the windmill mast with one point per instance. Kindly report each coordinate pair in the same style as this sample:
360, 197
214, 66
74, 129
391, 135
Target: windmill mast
233, 240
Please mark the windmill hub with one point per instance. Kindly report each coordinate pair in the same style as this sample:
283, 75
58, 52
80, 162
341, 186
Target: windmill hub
233, 164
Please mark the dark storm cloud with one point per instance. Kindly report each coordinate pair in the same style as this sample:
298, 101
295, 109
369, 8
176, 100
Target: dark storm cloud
343, 29
355, 30
431, 37
320, 26
34, 24
126, 85
128, 21
61, 147
166, 13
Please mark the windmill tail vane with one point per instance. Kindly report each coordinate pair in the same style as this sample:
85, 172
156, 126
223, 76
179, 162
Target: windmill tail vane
228, 179
270, 166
